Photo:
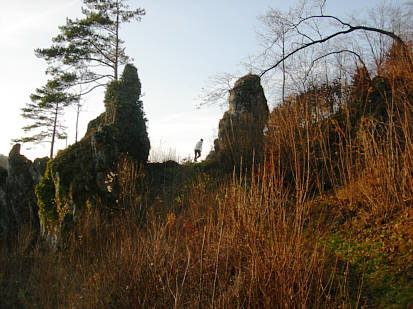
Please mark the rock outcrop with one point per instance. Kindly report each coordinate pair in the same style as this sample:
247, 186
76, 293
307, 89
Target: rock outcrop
75, 179
18, 205
4, 162
240, 136
5, 216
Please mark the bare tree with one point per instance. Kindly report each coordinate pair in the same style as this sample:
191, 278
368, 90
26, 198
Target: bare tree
217, 90
305, 46
395, 19
348, 28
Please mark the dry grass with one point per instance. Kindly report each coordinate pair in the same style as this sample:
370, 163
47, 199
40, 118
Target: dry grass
241, 246
160, 154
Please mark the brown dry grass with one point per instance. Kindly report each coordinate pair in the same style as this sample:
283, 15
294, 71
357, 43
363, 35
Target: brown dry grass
240, 246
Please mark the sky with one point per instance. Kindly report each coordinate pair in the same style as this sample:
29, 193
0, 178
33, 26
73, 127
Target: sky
177, 47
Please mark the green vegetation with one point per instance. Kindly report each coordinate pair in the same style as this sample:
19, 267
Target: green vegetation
46, 194
125, 110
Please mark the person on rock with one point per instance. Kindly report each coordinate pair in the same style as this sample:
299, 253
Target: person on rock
198, 149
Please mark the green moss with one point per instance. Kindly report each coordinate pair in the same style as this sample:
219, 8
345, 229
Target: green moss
387, 277
124, 111
74, 170
45, 193
66, 178
94, 124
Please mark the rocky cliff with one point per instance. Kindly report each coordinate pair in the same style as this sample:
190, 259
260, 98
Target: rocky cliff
240, 136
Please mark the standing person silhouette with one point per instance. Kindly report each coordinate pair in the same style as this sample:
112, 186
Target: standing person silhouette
198, 149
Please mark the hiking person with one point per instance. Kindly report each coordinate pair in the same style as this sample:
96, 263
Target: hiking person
198, 149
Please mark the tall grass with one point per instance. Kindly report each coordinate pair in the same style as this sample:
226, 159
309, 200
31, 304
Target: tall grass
242, 245
355, 152
322, 145
160, 154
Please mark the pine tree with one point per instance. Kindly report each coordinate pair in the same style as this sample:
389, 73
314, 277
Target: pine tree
90, 48
44, 112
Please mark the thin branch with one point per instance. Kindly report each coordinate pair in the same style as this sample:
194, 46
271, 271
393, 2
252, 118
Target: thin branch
304, 35
323, 16
333, 53
351, 29
88, 81
322, 6
339, 52
91, 89
101, 52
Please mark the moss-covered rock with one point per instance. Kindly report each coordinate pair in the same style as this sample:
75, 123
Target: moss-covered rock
76, 178
125, 111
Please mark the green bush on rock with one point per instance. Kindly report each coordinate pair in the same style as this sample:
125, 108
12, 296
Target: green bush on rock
45, 193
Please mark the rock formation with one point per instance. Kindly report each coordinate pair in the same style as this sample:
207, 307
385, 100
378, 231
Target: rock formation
5, 217
4, 162
18, 206
75, 178
240, 136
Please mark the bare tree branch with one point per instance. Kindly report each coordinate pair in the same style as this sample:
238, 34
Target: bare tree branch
91, 89
334, 53
351, 29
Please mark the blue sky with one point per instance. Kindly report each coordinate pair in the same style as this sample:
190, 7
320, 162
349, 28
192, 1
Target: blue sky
177, 47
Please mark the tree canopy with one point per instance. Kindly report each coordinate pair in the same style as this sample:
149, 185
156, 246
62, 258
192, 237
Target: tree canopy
90, 48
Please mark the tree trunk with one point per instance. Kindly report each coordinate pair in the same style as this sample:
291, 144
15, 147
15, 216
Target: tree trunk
283, 66
77, 118
117, 41
54, 130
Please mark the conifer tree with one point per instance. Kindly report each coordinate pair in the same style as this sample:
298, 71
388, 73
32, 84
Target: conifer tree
44, 112
90, 48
